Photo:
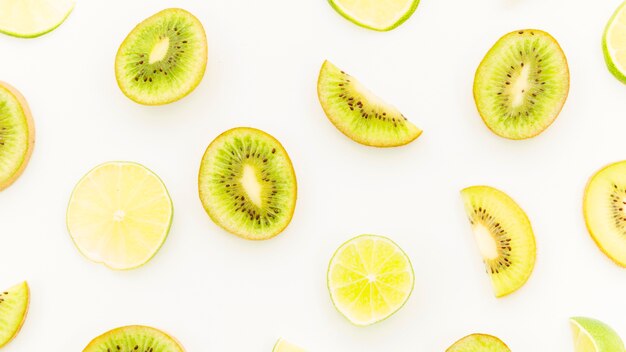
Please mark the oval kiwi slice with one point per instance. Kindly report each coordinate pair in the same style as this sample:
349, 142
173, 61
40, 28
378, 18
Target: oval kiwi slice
17, 135
522, 84
134, 339
247, 183
504, 236
359, 114
163, 59
13, 309
479, 343
604, 207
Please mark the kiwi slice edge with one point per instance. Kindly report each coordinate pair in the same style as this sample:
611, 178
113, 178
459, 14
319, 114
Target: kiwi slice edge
14, 303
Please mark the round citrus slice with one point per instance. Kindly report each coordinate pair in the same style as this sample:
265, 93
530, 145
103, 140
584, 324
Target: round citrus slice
284, 346
134, 339
369, 279
479, 343
119, 215
591, 335
33, 18
614, 43
13, 309
375, 14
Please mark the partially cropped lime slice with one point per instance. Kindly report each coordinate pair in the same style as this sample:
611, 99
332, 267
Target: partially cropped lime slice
32, 18
284, 346
379, 15
591, 335
119, 215
614, 43
369, 279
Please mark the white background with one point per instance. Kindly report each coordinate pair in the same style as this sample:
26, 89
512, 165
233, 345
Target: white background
216, 292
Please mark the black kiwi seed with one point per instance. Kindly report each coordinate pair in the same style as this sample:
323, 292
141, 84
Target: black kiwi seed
503, 240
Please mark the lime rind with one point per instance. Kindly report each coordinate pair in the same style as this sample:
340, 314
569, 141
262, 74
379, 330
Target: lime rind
601, 336
41, 31
610, 62
396, 24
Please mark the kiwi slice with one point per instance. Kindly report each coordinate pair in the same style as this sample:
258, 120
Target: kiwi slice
17, 135
504, 236
134, 339
522, 84
247, 184
13, 309
359, 114
479, 343
604, 207
162, 59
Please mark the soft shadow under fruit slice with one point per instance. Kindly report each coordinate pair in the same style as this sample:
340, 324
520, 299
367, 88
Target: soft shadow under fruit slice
119, 215
33, 18
614, 43
247, 184
13, 309
377, 15
604, 207
359, 114
522, 83
591, 335
134, 339
162, 59
504, 236
17, 135
479, 343
369, 279
284, 346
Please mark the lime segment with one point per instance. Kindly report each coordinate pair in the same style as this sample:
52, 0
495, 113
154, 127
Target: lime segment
369, 279
32, 18
591, 335
119, 215
284, 346
376, 14
614, 43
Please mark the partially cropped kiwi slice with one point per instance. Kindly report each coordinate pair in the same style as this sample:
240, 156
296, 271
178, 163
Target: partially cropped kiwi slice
522, 84
604, 208
17, 135
134, 339
504, 236
13, 308
359, 114
247, 184
479, 343
162, 59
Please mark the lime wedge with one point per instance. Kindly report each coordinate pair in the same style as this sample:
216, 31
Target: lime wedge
284, 346
33, 18
119, 215
591, 335
379, 15
369, 279
13, 308
614, 43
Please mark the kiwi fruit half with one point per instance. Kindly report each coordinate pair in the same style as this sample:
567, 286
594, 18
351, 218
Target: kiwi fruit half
17, 135
134, 339
604, 208
13, 309
359, 114
504, 236
522, 83
162, 59
247, 183
479, 343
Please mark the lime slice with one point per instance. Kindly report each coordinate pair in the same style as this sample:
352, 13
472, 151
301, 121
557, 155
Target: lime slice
284, 346
379, 15
33, 18
614, 43
13, 308
591, 335
369, 279
119, 215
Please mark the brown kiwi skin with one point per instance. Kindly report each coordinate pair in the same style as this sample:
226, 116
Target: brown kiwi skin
295, 187
31, 134
566, 93
19, 328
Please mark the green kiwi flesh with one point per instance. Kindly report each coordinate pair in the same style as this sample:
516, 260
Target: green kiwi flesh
359, 114
504, 237
134, 339
247, 184
479, 343
522, 83
17, 135
13, 309
162, 59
